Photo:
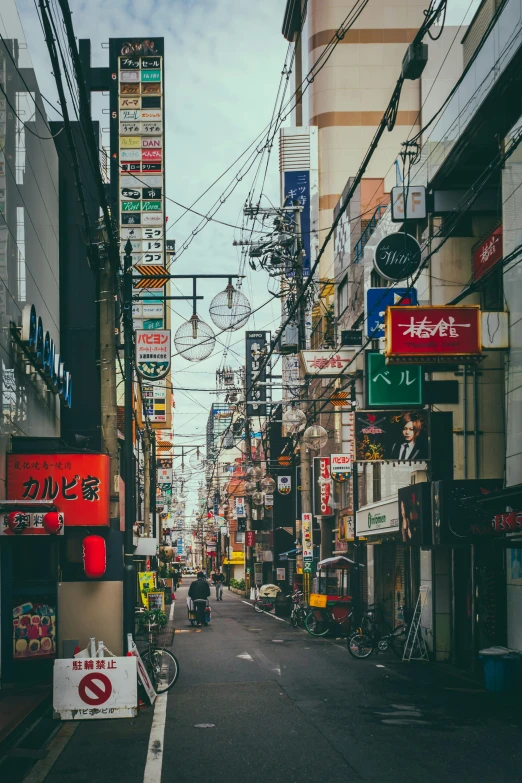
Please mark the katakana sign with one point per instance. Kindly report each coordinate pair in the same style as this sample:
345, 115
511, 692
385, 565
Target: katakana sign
391, 385
377, 300
433, 333
328, 363
153, 351
77, 484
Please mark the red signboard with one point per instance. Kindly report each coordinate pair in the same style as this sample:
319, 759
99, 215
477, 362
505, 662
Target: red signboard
77, 484
433, 333
487, 254
323, 488
250, 538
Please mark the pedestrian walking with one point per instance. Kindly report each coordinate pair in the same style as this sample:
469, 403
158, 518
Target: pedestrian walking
217, 581
199, 591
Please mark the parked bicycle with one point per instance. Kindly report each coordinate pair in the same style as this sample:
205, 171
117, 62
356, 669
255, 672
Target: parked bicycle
374, 635
299, 610
161, 665
319, 622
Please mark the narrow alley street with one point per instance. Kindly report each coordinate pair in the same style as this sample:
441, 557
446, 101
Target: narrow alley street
285, 707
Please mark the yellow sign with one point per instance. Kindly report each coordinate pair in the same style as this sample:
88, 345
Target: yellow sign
236, 558
130, 142
147, 581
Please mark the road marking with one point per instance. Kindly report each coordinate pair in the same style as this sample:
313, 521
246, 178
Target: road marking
42, 768
268, 614
245, 656
204, 725
154, 763
171, 613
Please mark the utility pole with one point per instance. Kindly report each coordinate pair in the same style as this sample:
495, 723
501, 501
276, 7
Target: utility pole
356, 586
146, 480
306, 498
153, 482
249, 554
129, 571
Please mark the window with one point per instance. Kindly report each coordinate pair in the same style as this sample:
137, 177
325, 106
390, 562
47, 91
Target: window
240, 538
342, 296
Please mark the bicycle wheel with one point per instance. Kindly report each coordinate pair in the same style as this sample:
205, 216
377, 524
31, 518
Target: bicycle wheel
294, 619
259, 605
163, 669
317, 622
360, 645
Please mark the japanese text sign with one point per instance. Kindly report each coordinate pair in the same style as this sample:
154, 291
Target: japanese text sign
389, 385
307, 541
323, 488
432, 332
89, 688
250, 538
77, 484
341, 466
255, 348
487, 254
327, 363
153, 353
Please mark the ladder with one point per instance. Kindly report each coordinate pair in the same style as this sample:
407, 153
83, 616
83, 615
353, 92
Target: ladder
415, 648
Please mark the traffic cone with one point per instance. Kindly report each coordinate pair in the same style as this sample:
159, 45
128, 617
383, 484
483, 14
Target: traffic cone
173, 596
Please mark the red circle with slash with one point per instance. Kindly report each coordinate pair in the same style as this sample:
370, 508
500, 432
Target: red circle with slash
99, 687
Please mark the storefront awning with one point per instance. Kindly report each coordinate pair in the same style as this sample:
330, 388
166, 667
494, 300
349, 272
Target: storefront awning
336, 562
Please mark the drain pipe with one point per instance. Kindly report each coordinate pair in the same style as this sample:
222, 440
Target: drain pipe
465, 422
476, 422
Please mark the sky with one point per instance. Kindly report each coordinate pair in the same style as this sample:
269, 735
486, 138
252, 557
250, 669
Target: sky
223, 61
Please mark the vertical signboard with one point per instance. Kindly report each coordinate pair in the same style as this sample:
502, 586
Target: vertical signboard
307, 540
137, 160
297, 189
323, 492
256, 343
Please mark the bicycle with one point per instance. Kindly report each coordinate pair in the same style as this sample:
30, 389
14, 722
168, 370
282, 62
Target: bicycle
299, 610
162, 666
369, 637
319, 622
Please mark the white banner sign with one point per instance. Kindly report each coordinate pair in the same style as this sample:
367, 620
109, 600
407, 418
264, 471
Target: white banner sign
328, 363
240, 507
91, 688
340, 466
308, 547
284, 485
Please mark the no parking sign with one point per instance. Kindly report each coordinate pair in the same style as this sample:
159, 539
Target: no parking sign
87, 688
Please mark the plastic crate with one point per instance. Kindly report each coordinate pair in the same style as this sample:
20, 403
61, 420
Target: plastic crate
317, 600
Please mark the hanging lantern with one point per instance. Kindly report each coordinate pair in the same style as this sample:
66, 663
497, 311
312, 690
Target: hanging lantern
315, 437
294, 419
257, 498
53, 522
254, 473
268, 485
17, 521
250, 487
230, 309
94, 556
194, 340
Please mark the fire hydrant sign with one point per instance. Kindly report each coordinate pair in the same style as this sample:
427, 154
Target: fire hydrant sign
89, 688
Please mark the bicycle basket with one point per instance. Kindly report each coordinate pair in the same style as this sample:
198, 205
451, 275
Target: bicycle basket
318, 601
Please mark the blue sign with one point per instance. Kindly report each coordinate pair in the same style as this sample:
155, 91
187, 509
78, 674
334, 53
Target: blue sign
378, 299
297, 188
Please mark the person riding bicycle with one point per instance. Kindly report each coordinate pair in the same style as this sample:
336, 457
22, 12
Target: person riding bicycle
199, 591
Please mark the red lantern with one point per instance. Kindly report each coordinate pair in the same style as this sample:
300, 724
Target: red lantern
94, 556
53, 522
18, 521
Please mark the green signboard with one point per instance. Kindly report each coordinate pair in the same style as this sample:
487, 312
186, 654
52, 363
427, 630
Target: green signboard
130, 206
151, 206
151, 76
389, 386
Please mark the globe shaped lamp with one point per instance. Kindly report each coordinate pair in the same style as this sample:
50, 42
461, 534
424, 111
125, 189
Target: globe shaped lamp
196, 459
250, 487
194, 340
315, 437
268, 485
230, 309
294, 419
257, 498
254, 473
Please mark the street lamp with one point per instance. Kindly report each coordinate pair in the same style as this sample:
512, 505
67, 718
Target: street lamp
230, 309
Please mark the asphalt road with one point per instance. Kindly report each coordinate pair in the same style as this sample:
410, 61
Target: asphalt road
287, 708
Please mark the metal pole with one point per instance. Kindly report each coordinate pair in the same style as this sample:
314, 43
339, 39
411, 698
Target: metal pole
129, 571
249, 555
356, 585
146, 481
153, 486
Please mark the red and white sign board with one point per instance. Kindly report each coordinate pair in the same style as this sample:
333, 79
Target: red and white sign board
487, 254
306, 532
433, 333
93, 688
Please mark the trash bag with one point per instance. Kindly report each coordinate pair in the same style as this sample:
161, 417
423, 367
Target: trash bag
269, 591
